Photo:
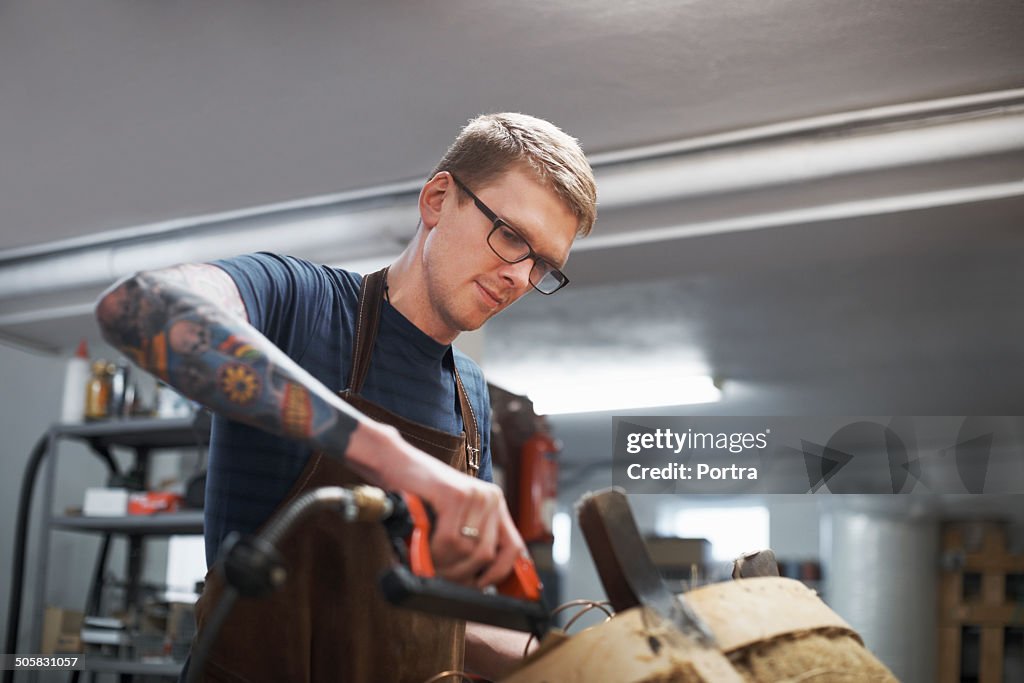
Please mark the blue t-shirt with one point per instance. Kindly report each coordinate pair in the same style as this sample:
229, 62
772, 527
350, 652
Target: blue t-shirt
309, 311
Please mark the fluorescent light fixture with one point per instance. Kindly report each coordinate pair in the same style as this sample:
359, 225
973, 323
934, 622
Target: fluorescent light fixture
609, 388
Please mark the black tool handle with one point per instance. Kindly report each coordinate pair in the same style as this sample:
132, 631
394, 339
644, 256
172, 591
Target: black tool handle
436, 596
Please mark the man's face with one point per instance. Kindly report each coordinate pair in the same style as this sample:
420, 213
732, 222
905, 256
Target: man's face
467, 282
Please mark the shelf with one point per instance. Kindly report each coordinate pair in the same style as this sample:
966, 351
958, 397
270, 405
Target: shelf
190, 522
143, 436
131, 666
148, 432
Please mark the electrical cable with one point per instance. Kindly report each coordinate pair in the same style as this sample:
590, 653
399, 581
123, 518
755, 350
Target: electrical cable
587, 605
18, 556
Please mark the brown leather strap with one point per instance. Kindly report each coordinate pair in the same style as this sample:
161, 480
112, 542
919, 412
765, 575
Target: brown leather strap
470, 423
371, 296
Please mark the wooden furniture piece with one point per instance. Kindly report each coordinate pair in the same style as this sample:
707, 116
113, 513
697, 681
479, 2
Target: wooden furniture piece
981, 604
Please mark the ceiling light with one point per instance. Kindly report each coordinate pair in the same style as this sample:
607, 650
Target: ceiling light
609, 388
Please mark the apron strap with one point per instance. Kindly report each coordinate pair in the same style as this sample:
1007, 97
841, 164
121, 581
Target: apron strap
371, 297
371, 294
470, 424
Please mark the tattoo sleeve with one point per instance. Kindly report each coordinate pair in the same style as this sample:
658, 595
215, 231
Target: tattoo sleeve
202, 346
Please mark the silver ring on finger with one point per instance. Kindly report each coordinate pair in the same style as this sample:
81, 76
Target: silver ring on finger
470, 531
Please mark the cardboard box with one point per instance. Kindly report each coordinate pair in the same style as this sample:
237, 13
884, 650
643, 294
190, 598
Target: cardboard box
60, 631
103, 502
675, 556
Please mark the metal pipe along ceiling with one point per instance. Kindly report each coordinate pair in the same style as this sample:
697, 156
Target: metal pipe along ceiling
375, 223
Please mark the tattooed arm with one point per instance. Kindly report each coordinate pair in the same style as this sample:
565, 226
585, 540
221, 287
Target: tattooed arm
202, 345
188, 326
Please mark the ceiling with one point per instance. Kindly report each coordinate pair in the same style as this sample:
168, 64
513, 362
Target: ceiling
116, 115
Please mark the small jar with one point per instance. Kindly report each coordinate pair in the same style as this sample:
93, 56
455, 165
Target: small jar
97, 392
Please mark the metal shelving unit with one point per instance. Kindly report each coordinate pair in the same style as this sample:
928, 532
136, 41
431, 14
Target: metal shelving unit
110, 665
142, 436
170, 524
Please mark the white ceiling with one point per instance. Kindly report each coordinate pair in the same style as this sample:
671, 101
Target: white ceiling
115, 114
121, 114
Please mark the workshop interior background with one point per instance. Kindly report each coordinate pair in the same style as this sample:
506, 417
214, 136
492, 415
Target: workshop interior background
817, 205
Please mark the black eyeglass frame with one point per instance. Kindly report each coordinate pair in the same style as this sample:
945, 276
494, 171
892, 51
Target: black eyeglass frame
498, 222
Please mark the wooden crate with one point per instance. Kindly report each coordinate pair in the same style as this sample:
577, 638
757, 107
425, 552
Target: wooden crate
973, 597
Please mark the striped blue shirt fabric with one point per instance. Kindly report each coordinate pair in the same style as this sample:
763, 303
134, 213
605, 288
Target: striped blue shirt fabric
309, 311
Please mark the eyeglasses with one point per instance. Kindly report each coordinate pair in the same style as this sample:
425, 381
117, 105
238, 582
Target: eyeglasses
511, 247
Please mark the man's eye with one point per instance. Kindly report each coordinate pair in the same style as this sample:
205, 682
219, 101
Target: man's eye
509, 236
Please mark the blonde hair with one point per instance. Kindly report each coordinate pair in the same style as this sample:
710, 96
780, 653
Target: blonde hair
491, 144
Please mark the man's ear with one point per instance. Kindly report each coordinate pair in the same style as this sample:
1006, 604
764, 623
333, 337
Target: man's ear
432, 198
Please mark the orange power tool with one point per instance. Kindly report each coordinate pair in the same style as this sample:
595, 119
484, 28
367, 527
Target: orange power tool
412, 583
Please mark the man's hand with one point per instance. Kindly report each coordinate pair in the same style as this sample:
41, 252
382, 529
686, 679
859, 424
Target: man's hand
462, 505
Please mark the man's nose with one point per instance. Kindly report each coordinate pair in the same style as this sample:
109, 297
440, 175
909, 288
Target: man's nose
517, 274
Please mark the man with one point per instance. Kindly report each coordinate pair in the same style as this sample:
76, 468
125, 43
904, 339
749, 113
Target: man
265, 341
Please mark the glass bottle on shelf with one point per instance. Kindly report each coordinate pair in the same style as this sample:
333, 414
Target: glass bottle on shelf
97, 392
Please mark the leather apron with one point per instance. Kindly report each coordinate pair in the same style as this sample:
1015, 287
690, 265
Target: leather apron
329, 622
